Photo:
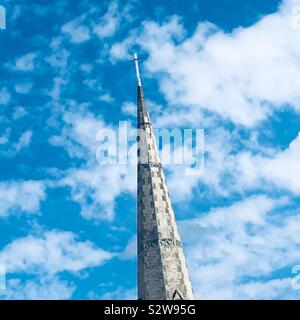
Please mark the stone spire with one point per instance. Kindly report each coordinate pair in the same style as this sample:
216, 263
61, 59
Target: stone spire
162, 270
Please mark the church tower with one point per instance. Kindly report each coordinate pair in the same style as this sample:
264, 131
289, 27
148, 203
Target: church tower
162, 270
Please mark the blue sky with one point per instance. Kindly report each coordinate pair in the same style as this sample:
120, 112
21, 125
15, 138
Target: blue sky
231, 67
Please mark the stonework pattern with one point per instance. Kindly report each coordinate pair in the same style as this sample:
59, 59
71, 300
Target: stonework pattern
162, 270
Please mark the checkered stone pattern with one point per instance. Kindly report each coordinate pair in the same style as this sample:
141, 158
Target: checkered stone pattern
162, 270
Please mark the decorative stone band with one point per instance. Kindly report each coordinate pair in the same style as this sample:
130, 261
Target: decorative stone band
166, 242
151, 164
143, 124
170, 242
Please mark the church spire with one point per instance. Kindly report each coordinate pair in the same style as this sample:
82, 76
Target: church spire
162, 270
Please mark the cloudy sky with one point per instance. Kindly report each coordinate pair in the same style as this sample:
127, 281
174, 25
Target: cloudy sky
68, 224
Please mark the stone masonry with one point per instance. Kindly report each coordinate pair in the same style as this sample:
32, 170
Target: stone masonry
162, 270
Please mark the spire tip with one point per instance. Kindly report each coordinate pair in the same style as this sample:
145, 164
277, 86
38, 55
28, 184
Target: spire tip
137, 70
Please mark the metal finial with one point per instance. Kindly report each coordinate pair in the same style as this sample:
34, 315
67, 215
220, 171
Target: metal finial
137, 70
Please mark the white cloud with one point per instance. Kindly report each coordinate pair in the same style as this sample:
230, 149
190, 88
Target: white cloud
231, 248
109, 22
42, 257
119, 294
77, 32
23, 88
59, 58
281, 169
79, 134
26, 62
81, 29
129, 108
20, 197
86, 67
106, 98
4, 96
130, 250
271, 289
219, 172
120, 51
241, 76
22, 143
19, 113
4, 138
39, 288
51, 253
95, 187
235, 164
156, 35
24, 140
